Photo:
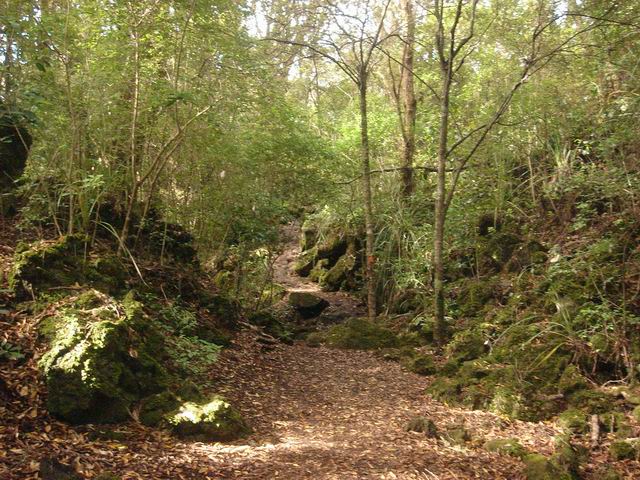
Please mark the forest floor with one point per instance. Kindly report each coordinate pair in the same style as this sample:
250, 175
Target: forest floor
316, 413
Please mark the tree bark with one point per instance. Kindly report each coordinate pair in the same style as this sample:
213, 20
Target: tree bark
441, 327
408, 100
368, 203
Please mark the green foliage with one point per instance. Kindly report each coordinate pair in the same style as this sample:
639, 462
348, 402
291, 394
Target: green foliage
8, 351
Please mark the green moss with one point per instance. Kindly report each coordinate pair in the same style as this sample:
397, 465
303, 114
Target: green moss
154, 408
571, 380
336, 277
213, 421
361, 334
623, 450
47, 264
539, 467
474, 295
573, 420
506, 446
305, 262
422, 365
307, 304
98, 362
315, 339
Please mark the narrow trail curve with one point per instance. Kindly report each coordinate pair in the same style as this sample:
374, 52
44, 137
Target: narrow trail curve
319, 413
341, 304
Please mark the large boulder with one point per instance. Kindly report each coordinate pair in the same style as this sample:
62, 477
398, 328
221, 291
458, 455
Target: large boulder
307, 304
336, 277
60, 263
103, 357
212, 421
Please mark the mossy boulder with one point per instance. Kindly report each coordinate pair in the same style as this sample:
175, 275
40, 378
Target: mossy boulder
624, 450
422, 365
424, 425
103, 357
305, 262
573, 420
333, 246
571, 380
474, 295
506, 446
307, 304
539, 467
154, 408
361, 334
319, 271
61, 263
336, 277
47, 264
212, 421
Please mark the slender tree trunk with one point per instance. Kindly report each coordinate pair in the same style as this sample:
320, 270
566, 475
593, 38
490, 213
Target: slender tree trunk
441, 211
408, 99
368, 203
133, 140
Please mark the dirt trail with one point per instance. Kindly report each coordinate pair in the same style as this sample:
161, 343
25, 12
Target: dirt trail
341, 304
327, 414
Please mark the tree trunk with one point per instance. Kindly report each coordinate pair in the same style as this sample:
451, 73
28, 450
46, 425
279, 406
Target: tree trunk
368, 204
441, 332
408, 99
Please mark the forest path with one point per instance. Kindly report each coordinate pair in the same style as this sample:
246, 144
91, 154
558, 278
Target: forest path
319, 413
342, 305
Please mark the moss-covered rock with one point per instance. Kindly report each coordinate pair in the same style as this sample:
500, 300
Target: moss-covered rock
213, 421
336, 277
305, 262
573, 420
272, 325
154, 408
307, 304
332, 246
571, 380
63, 262
319, 271
539, 467
103, 357
506, 401
360, 334
422, 365
624, 450
506, 446
47, 264
474, 295
422, 425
